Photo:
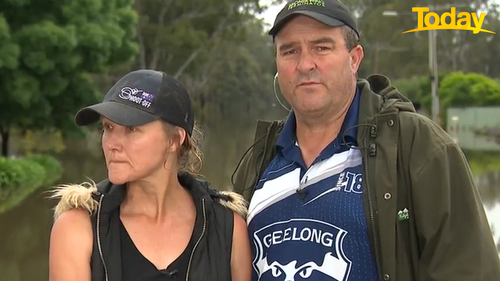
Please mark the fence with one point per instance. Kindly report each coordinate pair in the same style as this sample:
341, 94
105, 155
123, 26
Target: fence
462, 122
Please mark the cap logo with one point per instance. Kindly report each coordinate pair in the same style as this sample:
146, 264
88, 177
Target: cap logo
137, 96
295, 4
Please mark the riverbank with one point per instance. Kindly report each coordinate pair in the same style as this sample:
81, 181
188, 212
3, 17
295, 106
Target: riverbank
20, 177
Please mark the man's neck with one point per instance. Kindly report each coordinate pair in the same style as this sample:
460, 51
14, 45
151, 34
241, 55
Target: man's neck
313, 137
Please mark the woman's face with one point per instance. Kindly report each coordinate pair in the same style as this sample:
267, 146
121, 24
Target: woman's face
135, 153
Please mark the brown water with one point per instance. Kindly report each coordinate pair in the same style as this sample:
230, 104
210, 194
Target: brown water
24, 230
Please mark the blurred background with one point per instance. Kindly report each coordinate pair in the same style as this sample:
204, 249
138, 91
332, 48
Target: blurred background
57, 56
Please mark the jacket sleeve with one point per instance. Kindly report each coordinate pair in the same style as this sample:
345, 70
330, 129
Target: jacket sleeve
453, 230
245, 175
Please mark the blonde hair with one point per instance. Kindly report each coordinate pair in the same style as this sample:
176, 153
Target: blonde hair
189, 157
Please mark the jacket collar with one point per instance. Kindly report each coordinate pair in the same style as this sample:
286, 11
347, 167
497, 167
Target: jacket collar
379, 95
198, 188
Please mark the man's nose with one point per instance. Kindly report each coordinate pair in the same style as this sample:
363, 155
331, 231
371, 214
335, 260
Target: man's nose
307, 62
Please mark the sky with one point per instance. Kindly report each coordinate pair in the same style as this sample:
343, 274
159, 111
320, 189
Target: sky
272, 11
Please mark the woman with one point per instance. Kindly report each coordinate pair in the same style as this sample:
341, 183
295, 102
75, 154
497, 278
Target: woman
151, 219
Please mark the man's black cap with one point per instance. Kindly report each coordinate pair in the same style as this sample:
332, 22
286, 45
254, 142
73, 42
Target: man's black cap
140, 97
330, 12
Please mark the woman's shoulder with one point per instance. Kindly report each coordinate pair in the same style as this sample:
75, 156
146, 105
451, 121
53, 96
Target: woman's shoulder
78, 198
231, 201
225, 201
71, 243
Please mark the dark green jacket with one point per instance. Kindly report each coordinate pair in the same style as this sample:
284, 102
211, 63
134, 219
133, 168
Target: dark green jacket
410, 163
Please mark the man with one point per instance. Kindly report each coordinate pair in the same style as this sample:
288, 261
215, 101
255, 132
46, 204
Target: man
354, 185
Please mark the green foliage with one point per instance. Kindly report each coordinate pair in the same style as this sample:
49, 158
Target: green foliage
412, 88
418, 89
216, 48
482, 162
456, 89
48, 51
239, 79
9, 51
53, 168
461, 89
20, 173
38, 142
19, 177
170, 32
398, 55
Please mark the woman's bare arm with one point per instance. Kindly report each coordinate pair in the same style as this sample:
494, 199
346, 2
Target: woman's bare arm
241, 259
71, 247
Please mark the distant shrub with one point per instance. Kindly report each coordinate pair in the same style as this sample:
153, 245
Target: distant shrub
19, 177
53, 169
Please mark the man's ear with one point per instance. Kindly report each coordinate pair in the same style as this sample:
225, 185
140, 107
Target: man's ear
357, 55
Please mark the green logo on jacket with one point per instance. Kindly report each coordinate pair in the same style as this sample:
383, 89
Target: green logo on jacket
403, 215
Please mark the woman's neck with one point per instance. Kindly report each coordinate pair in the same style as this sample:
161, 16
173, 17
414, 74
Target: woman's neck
156, 198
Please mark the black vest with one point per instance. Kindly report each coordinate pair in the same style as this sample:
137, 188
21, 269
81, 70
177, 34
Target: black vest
209, 260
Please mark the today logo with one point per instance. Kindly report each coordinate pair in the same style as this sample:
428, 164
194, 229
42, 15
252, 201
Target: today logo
461, 22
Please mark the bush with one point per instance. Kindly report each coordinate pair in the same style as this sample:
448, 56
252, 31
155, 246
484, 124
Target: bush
19, 177
53, 169
460, 89
456, 89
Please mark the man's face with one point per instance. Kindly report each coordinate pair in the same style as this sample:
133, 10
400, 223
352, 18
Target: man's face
316, 71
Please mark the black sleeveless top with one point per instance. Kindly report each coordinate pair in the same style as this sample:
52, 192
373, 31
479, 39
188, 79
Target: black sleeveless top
211, 255
135, 267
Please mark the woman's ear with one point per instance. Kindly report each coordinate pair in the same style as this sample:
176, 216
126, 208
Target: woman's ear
177, 140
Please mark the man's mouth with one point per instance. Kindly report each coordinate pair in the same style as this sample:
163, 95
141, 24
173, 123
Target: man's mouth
308, 83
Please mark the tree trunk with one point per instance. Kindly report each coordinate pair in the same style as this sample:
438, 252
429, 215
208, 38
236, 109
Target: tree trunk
5, 142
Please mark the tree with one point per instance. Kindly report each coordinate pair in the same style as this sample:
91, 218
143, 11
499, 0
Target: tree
398, 55
216, 48
239, 79
49, 51
418, 89
461, 89
175, 35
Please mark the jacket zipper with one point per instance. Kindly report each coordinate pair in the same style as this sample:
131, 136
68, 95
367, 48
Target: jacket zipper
99, 237
370, 207
199, 239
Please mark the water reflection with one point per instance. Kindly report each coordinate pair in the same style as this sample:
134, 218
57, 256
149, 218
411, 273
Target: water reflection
24, 232
489, 187
25, 229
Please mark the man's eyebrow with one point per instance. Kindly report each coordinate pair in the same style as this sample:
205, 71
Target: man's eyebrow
287, 46
324, 40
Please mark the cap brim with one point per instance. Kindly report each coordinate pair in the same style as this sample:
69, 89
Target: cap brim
317, 16
117, 112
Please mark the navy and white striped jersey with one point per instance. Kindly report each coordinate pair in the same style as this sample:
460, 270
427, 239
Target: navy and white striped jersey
319, 233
